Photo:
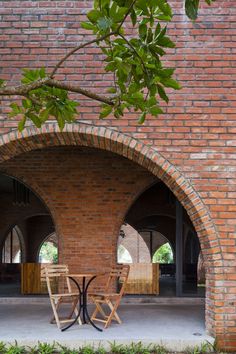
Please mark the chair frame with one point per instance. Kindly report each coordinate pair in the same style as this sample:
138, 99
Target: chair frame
50, 272
111, 300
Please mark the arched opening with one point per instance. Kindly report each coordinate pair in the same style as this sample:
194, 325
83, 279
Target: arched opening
12, 249
123, 255
25, 222
164, 240
163, 254
149, 167
48, 251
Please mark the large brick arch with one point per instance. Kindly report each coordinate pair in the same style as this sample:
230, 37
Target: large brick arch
80, 134
15, 143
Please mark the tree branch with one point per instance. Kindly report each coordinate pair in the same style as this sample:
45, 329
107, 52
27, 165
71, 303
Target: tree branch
78, 89
126, 15
24, 90
78, 48
100, 39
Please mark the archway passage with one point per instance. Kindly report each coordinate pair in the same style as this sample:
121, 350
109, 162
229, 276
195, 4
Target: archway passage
155, 228
55, 174
25, 223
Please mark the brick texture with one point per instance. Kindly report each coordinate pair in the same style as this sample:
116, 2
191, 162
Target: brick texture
191, 148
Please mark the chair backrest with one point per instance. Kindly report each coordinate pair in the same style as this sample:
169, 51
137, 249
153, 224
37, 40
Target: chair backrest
119, 273
50, 272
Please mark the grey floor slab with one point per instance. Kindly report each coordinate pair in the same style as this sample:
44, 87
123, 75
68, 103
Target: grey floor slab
175, 326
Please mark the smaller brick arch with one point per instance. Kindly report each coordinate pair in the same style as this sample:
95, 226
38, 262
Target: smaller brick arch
81, 134
20, 238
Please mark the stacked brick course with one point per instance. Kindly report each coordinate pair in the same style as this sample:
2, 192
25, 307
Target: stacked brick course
191, 148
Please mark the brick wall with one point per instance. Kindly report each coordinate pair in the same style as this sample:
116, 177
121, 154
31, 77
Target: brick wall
89, 192
196, 136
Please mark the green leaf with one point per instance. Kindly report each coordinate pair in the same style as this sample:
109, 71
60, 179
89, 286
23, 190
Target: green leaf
157, 30
2, 82
209, 2
165, 42
162, 93
120, 14
155, 110
26, 103
191, 8
21, 124
143, 31
104, 23
94, 15
142, 4
44, 115
60, 121
15, 109
35, 119
111, 90
164, 18
42, 73
133, 17
171, 83
110, 66
142, 118
106, 110
166, 72
164, 7
88, 26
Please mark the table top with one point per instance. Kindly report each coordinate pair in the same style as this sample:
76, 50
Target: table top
84, 275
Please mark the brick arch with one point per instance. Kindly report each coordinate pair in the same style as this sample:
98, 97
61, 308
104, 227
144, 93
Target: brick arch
81, 134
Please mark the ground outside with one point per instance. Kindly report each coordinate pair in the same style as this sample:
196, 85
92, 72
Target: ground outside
175, 326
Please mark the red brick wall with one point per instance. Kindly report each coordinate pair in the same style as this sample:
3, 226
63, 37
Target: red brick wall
89, 192
197, 135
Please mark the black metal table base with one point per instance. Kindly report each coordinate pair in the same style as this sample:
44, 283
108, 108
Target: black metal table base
83, 310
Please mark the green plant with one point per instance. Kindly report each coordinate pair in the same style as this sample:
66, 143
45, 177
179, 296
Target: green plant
137, 348
159, 349
101, 350
46, 348
116, 348
88, 349
16, 349
66, 350
3, 348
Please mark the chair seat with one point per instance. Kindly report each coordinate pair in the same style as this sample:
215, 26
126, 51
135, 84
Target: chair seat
104, 295
64, 295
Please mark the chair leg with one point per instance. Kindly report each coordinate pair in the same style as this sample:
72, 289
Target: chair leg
113, 313
56, 317
97, 310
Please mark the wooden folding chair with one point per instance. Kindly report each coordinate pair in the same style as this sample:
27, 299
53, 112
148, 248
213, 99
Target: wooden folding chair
57, 272
111, 300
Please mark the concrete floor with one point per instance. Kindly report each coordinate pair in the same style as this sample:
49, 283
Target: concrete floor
174, 326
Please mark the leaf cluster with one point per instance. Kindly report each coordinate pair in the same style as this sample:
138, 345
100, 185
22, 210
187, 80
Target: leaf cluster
135, 61
192, 6
45, 102
134, 57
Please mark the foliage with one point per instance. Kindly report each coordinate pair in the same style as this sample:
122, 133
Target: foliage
16, 349
203, 349
48, 252
43, 102
3, 348
164, 254
133, 348
133, 58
